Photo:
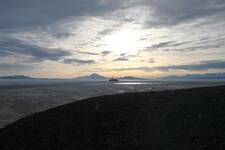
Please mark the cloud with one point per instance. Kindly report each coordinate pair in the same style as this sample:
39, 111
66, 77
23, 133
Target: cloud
88, 53
106, 31
168, 44
121, 59
15, 13
78, 61
110, 29
133, 69
193, 45
59, 34
15, 67
106, 52
151, 60
168, 13
180, 43
161, 45
190, 48
122, 54
203, 65
12, 47
71, 31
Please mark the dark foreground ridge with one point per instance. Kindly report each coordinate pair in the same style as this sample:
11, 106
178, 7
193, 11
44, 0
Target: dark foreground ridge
168, 120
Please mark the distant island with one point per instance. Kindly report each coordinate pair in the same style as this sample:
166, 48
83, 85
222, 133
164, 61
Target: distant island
16, 77
207, 76
132, 78
91, 77
98, 77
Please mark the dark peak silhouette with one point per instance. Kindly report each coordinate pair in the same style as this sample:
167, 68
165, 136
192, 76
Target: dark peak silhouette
96, 75
131, 78
16, 77
93, 76
206, 76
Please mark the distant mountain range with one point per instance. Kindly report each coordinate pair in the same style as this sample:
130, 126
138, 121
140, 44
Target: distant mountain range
208, 76
132, 78
91, 77
97, 77
16, 77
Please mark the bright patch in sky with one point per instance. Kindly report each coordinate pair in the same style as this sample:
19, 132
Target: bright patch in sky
123, 41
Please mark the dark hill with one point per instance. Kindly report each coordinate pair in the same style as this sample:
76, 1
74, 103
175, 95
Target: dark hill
16, 77
92, 77
168, 120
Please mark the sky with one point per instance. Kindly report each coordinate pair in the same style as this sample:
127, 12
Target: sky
145, 38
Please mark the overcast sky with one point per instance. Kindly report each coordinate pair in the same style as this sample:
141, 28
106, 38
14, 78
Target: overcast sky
146, 38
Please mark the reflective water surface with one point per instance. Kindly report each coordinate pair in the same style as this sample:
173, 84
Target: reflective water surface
19, 98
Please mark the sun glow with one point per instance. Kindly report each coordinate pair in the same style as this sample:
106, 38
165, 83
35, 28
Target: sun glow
125, 41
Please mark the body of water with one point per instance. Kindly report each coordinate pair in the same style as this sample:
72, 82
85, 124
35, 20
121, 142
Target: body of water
19, 98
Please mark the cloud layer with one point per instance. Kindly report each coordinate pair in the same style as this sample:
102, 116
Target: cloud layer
134, 35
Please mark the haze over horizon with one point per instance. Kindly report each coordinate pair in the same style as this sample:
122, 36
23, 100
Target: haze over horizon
142, 38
